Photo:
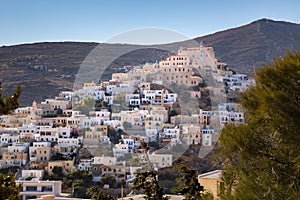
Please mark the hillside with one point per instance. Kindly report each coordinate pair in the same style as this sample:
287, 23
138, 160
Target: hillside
255, 44
44, 69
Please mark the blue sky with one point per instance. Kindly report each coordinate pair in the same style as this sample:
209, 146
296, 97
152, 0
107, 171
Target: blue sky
73, 20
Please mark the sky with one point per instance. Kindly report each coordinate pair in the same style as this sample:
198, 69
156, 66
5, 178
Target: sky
29, 21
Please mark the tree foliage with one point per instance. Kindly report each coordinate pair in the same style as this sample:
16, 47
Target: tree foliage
147, 182
78, 189
115, 135
10, 103
87, 105
8, 188
188, 183
58, 171
97, 194
261, 158
108, 180
80, 181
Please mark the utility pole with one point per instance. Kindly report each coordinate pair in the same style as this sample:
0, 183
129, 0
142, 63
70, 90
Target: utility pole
124, 181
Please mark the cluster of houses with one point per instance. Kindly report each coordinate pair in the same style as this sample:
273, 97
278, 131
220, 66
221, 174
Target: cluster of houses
53, 133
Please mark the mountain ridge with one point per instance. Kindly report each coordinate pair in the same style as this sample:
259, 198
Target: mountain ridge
46, 68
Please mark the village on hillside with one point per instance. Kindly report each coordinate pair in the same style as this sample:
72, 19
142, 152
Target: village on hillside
144, 118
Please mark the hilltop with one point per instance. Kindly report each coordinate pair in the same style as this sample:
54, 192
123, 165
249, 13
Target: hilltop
253, 45
43, 69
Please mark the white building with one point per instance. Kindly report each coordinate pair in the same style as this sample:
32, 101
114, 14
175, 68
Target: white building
109, 88
90, 90
105, 160
206, 139
123, 88
151, 134
120, 150
23, 110
133, 100
57, 104
88, 122
75, 142
170, 133
207, 136
132, 144
230, 113
33, 173
27, 131
135, 117
191, 134
103, 114
6, 138
158, 97
238, 82
158, 160
117, 124
67, 95
36, 188
161, 160
18, 147
85, 164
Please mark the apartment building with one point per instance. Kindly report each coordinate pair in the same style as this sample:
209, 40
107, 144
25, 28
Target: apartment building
35, 188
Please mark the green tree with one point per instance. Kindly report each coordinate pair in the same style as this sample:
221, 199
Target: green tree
261, 159
80, 181
188, 183
11, 102
58, 156
8, 188
87, 105
58, 171
79, 189
115, 135
147, 182
108, 180
97, 194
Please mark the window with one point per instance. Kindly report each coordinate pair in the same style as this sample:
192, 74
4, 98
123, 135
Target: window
47, 188
30, 197
31, 188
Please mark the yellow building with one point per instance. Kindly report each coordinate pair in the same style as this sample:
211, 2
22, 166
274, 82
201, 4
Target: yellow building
15, 159
66, 165
43, 153
212, 182
177, 70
